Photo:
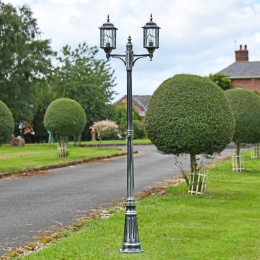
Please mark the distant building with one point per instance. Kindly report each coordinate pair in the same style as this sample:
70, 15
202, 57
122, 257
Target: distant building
140, 103
243, 73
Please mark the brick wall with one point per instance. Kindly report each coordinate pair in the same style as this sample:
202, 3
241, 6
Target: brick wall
250, 84
124, 100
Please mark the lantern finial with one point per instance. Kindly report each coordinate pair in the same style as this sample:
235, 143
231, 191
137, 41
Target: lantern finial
151, 18
108, 18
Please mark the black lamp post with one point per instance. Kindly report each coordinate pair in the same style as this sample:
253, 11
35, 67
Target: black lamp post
131, 242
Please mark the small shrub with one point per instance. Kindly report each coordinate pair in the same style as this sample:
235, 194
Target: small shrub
139, 129
104, 128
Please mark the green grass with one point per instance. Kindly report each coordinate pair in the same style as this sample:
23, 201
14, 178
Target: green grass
117, 142
106, 142
15, 158
222, 224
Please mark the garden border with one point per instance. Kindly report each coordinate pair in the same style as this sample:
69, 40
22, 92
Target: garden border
17, 173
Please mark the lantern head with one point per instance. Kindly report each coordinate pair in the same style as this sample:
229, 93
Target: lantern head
151, 36
108, 36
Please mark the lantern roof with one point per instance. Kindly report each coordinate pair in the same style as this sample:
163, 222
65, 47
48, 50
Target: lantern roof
108, 25
151, 24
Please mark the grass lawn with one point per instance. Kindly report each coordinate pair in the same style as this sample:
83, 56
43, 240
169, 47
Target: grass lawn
222, 224
117, 142
15, 158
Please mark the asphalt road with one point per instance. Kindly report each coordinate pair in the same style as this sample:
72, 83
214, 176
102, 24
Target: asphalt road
59, 197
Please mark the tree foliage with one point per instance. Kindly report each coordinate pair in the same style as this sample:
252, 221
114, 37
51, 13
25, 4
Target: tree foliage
221, 80
246, 109
65, 117
6, 123
24, 60
44, 98
104, 128
120, 117
29, 81
89, 81
139, 129
189, 114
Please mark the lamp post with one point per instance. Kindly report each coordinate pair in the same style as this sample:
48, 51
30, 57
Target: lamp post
131, 242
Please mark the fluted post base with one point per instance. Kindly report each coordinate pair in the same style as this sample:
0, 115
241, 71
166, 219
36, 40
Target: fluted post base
131, 242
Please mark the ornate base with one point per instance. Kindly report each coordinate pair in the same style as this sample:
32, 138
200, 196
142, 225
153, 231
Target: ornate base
131, 242
131, 248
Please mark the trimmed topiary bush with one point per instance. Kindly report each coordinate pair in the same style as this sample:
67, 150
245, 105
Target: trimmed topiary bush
65, 117
189, 114
246, 109
6, 123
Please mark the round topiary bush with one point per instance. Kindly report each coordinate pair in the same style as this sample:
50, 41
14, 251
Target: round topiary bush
65, 117
189, 114
246, 109
6, 123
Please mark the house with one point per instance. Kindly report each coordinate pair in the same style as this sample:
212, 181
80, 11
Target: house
140, 103
243, 73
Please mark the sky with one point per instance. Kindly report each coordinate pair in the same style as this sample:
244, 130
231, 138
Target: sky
196, 37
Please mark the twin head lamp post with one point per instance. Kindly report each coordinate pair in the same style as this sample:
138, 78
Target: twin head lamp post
131, 242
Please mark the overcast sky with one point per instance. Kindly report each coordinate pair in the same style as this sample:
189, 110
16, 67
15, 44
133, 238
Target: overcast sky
196, 37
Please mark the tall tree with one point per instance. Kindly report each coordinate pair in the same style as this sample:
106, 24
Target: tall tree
82, 77
44, 98
24, 60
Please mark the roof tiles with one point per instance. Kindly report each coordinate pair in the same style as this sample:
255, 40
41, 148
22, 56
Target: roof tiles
244, 69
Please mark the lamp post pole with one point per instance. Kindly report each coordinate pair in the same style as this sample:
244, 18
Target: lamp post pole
131, 243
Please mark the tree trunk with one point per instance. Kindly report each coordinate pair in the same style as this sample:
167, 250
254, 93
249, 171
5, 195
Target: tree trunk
75, 140
62, 147
79, 140
49, 141
100, 140
238, 156
193, 164
193, 167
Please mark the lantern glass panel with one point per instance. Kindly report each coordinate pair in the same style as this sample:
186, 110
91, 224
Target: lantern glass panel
151, 37
108, 38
